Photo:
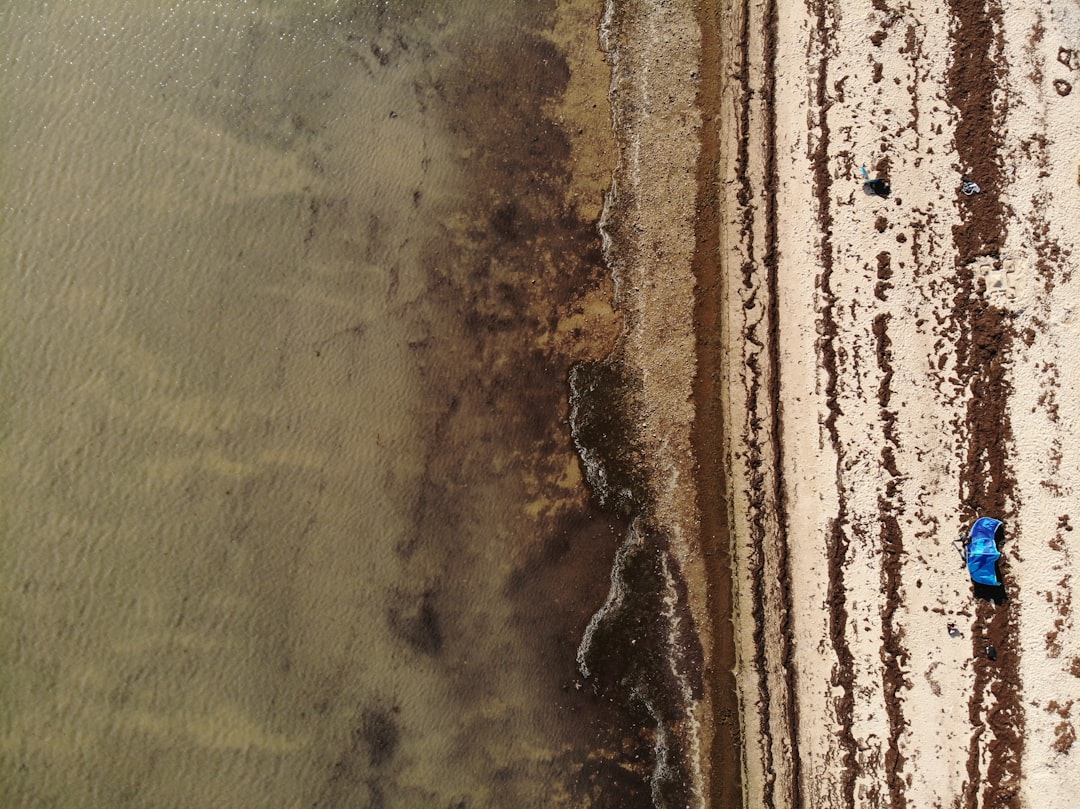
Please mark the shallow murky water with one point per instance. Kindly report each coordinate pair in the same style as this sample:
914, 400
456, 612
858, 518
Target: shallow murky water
291, 515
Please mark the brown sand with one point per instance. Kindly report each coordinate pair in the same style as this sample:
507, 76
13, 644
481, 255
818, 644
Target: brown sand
888, 370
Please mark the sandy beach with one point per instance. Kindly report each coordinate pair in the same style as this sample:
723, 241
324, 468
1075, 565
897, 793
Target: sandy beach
887, 369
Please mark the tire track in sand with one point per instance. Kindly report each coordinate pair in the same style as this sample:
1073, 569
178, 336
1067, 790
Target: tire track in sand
754, 449
767, 519
771, 261
838, 543
893, 654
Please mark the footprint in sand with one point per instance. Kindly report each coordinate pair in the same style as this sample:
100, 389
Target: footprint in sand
1005, 282
935, 686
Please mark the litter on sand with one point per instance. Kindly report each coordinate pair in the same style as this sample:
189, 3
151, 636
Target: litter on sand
969, 187
981, 551
877, 188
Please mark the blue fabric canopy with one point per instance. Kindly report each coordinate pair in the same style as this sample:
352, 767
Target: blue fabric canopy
982, 553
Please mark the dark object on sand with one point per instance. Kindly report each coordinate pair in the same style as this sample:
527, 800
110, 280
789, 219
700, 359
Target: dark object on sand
953, 631
969, 186
877, 188
991, 652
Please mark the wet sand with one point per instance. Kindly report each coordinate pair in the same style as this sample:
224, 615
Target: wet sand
661, 239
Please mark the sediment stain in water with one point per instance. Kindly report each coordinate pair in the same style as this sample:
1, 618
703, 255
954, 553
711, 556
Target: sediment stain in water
293, 513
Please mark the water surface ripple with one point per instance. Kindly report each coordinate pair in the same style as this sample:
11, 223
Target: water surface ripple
292, 516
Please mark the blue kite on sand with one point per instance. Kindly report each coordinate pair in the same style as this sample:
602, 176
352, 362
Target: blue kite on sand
981, 552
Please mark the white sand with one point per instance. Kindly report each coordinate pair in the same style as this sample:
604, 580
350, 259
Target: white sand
905, 117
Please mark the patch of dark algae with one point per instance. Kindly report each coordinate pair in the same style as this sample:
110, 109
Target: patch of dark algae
513, 258
627, 653
599, 423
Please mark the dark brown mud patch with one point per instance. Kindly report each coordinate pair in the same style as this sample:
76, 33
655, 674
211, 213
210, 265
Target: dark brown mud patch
884, 276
